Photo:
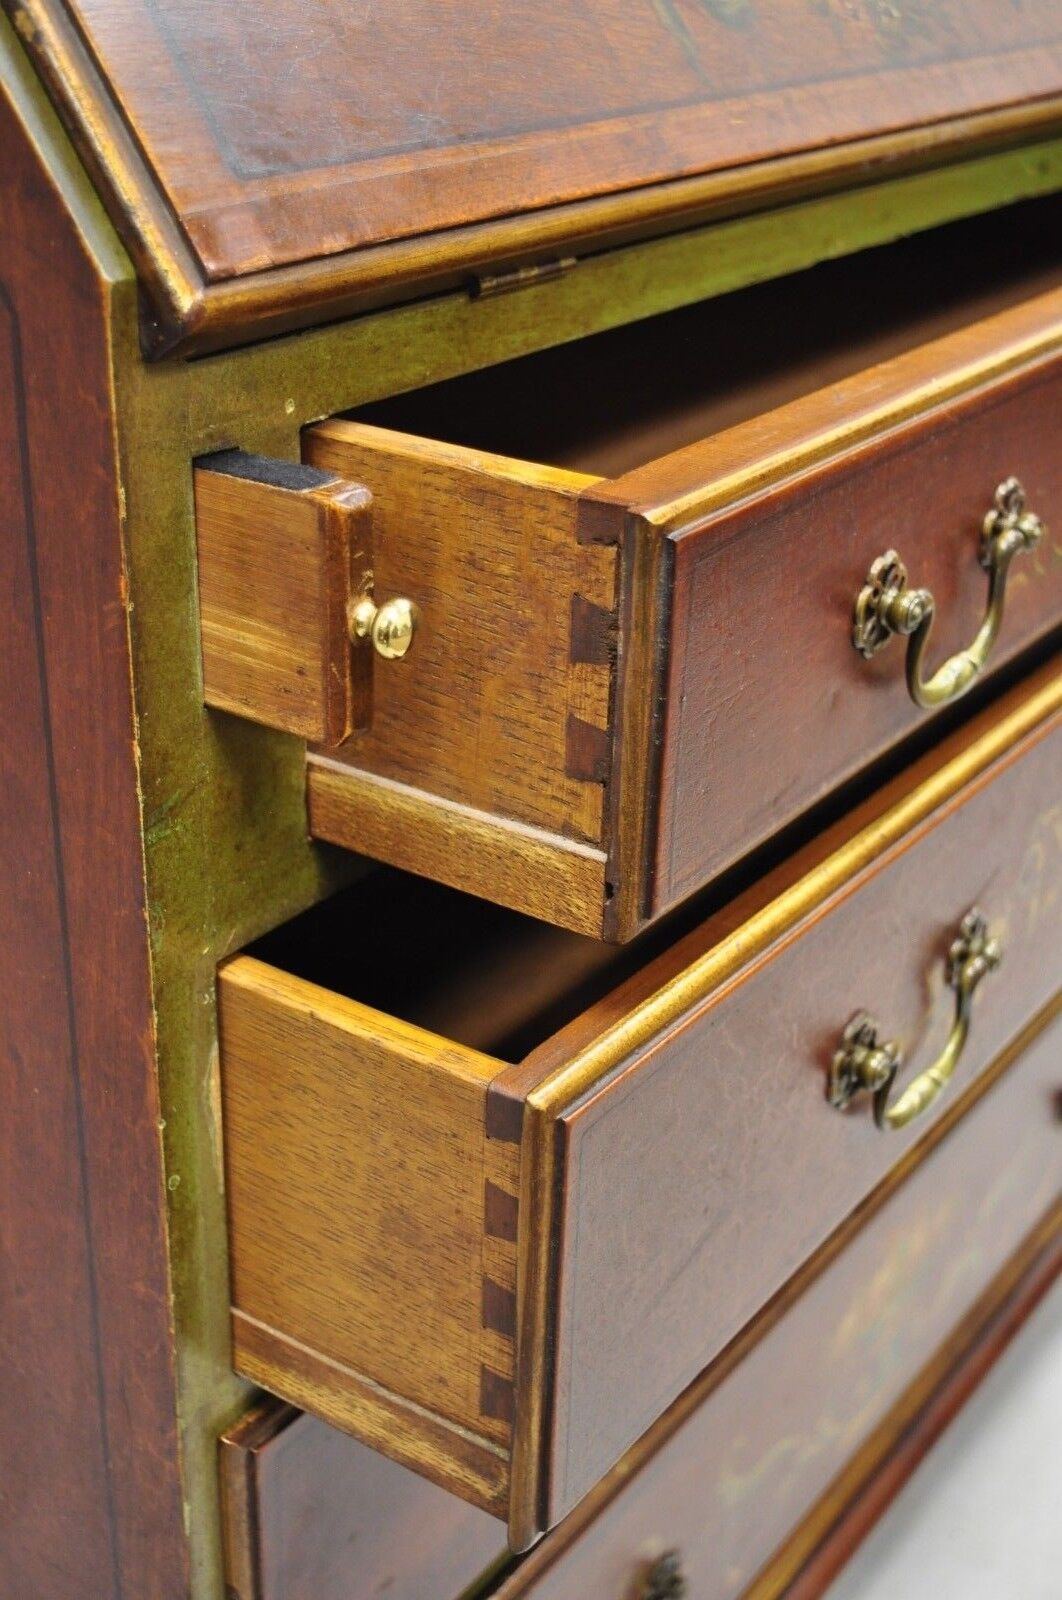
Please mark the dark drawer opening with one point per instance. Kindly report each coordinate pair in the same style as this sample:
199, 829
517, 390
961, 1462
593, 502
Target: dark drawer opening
610, 403
487, 978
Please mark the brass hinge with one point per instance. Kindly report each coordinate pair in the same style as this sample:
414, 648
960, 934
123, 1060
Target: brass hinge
485, 285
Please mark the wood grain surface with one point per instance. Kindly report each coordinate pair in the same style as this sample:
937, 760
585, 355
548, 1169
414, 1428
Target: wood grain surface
236, 144
313, 1515
92, 1495
474, 771
283, 553
377, 1284
766, 705
863, 1493
674, 714
356, 1172
488, 550
382, 110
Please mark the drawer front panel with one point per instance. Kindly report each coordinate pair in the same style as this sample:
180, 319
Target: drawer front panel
704, 1170
801, 1391
767, 704
310, 1514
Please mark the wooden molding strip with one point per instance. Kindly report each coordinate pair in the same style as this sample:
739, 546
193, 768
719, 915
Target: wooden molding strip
683, 488
498, 858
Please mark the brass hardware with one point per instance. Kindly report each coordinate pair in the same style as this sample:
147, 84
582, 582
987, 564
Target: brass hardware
665, 1579
885, 605
864, 1062
390, 627
486, 286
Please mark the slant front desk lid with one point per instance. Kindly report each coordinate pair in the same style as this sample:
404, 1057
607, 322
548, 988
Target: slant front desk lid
271, 157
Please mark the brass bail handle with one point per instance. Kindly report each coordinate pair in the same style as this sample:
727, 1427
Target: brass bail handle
864, 1062
885, 605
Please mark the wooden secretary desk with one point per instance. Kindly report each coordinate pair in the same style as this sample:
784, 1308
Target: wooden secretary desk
531, 915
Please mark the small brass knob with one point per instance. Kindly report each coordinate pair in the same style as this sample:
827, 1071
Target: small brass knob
390, 627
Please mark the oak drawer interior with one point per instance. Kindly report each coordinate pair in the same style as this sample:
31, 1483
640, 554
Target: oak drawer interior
476, 1164
634, 563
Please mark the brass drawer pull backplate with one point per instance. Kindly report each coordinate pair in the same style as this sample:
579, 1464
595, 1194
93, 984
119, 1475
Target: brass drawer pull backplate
885, 605
865, 1062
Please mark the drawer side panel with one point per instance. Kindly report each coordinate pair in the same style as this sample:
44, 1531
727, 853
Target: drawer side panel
499, 701
366, 1283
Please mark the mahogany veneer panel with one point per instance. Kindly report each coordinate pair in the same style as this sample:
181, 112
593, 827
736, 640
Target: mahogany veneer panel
92, 1491
373, 131
766, 704
311, 1514
713, 1149
799, 1394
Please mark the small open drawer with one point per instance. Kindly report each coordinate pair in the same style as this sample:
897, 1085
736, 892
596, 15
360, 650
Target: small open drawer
498, 1193
633, 664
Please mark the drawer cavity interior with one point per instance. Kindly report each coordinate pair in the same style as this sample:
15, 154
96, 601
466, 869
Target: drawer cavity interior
608, 404
486, 978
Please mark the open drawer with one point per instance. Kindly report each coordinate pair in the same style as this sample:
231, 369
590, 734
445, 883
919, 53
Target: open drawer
634, 663
498, 1193
721, 1480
